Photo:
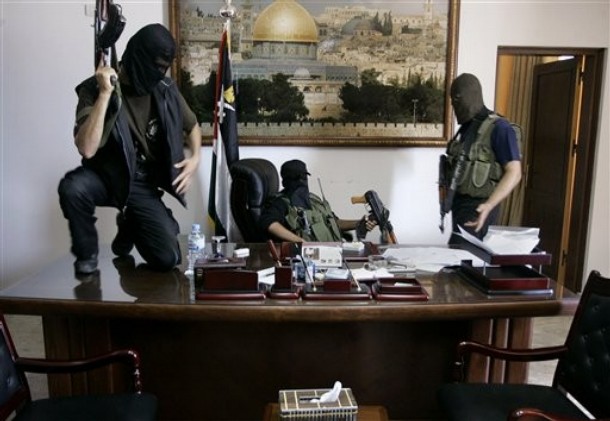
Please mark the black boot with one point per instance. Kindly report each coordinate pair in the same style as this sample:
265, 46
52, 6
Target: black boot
85, 266
123, 242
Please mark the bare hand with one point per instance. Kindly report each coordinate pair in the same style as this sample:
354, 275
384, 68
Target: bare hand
483, 209
369, 223
104, 76
185, 178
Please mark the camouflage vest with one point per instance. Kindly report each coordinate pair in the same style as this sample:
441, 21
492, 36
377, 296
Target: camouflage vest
482, 172
322, 223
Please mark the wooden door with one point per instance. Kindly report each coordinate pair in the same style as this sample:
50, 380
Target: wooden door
551, 158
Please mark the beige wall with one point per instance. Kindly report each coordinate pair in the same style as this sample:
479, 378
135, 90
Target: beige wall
46, 50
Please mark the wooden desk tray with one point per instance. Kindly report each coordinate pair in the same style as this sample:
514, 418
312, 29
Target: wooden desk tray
235, 284
321, 293
230, 296
293, 293
506, 279
220, 263
385, 289
537, 258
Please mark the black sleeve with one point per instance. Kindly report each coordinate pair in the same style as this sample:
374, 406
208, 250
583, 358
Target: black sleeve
274, 211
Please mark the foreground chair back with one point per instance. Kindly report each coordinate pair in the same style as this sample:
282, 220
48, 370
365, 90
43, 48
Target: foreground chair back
583, 372
254, 180
16, 400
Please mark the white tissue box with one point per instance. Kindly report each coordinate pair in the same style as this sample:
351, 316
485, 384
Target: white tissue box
295, 405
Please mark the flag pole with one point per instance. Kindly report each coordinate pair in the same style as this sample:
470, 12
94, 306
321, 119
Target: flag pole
225, 148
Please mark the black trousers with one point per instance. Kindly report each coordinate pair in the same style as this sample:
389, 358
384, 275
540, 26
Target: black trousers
464, 209
149, 222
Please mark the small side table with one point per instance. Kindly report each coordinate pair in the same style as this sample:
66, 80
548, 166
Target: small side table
365, 413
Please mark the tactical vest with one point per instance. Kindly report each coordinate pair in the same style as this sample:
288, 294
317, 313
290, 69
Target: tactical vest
322, 223
481, 172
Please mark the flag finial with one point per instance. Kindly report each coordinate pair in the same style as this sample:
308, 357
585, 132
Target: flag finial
228, 11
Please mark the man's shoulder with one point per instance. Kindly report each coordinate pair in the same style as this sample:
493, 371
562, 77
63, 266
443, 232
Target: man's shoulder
500, 122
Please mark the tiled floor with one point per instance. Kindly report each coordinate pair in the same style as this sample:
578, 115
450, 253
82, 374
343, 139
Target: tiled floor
27, 335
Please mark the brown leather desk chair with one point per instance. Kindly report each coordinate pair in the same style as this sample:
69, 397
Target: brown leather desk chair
583, 371
15, 392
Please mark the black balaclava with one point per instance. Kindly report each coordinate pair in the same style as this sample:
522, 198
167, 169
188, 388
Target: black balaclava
466, 97
294, 180
147, 57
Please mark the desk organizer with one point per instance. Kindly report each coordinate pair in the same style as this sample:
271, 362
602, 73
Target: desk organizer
225, 263
336, 290
398, 289
284, 288
228, 284
507, 274
295, 405
506, 280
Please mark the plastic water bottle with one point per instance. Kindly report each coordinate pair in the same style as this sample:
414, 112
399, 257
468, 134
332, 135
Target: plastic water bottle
196, 244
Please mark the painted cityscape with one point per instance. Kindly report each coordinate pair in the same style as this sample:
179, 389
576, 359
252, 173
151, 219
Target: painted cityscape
323, 63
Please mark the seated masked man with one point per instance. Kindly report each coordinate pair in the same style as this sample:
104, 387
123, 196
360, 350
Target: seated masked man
296, 215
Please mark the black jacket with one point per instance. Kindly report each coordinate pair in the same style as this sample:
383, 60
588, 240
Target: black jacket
115, 161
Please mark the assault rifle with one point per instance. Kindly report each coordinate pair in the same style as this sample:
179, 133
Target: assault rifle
379, 213
447, 184
108, 26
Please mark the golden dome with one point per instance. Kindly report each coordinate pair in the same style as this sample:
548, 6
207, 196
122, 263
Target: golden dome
285, 21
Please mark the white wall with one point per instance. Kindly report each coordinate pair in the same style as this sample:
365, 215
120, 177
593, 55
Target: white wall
46, 49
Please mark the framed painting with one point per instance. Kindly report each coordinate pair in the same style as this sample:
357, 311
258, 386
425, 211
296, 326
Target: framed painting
324, 73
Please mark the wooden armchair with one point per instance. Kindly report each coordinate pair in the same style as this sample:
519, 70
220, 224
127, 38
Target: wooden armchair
583, 372
15, 397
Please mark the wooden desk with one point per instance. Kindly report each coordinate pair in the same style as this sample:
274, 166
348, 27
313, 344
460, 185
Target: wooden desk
226, 360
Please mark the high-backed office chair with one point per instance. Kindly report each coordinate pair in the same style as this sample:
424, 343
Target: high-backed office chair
15, 394
254, 180
583, 371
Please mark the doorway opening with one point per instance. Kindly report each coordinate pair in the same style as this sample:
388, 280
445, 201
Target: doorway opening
554, 95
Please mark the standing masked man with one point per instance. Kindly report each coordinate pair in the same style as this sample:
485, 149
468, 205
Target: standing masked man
484, 156
131, 137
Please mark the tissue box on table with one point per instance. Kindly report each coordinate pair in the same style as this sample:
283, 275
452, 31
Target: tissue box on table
295, 405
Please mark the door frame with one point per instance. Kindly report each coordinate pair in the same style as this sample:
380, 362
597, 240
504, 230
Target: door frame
589, 120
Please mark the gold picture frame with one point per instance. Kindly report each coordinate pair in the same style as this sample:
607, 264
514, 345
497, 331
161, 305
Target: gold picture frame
342, 35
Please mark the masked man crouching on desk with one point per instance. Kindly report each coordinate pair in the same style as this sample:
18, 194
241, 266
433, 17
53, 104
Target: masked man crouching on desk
131, 136
296, 215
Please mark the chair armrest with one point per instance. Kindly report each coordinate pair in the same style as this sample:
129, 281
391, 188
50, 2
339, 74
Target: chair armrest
508, 354
466, 348
531, 414
127, 357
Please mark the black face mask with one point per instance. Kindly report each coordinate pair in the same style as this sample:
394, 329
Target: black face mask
298, 191
147, 57
466, 97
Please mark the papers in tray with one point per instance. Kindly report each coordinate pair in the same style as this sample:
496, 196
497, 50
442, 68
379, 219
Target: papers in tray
505, 240
362, 274
353, 246
429, 259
